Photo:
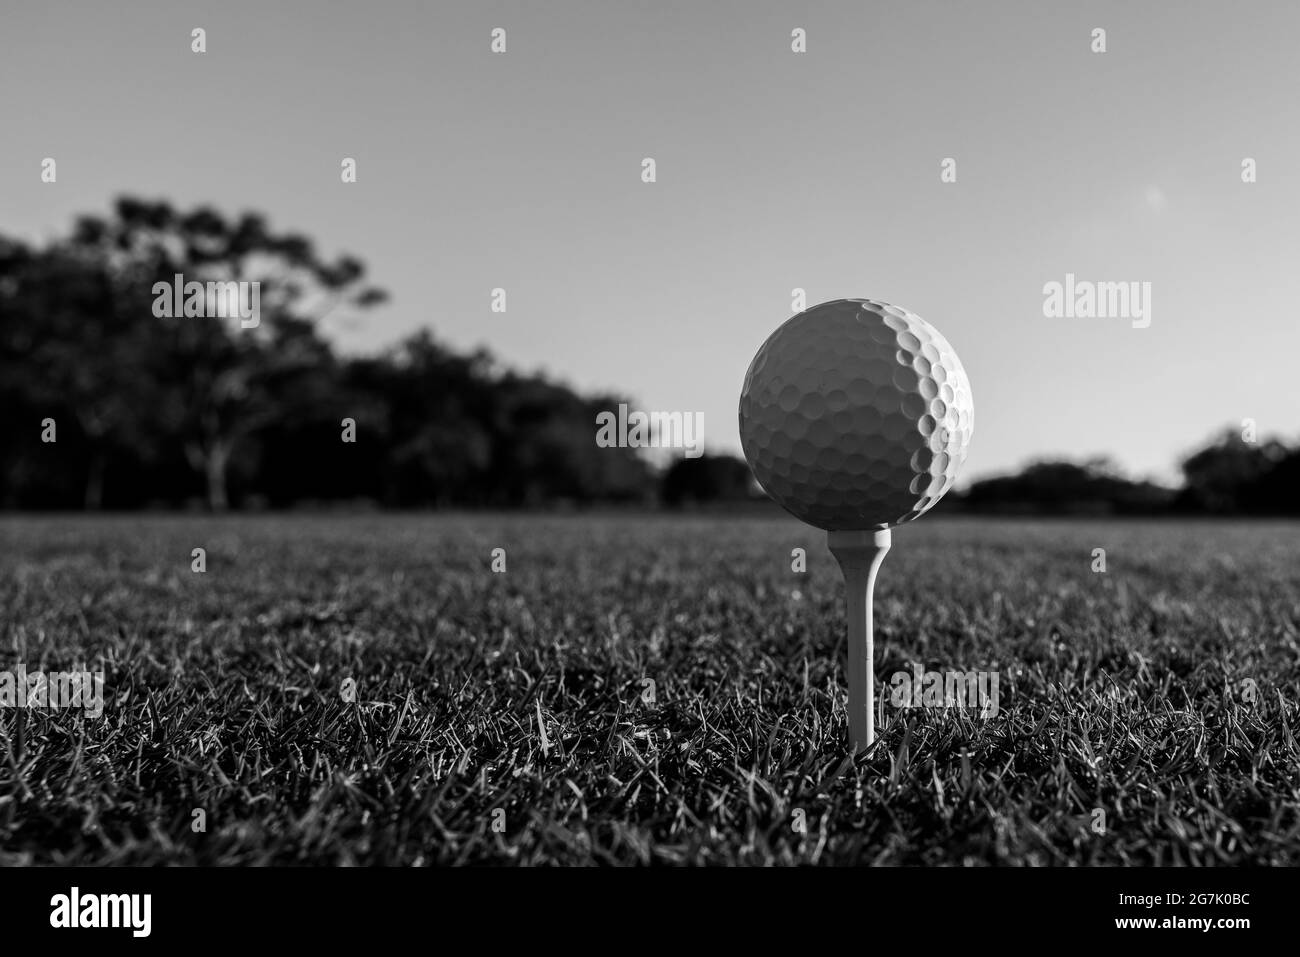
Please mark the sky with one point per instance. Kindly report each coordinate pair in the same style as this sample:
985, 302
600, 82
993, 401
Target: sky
775, 171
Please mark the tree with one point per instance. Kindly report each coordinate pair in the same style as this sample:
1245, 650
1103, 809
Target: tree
440, 419
1094, 486
1277, 491
1221, 476
707, 478
221, 384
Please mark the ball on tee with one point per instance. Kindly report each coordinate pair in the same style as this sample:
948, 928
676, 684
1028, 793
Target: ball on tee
856, 415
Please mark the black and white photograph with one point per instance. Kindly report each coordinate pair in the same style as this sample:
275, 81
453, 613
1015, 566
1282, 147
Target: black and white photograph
859, 439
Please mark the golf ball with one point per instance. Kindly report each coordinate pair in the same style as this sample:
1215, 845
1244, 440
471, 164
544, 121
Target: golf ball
856, 415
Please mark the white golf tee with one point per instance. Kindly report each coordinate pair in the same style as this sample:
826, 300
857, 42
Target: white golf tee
860, 555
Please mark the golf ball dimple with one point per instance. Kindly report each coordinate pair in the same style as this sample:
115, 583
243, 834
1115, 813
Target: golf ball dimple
879, 407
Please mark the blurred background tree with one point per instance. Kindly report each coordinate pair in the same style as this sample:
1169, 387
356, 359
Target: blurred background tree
708, 479
163, 410
1092, 487
1227, 476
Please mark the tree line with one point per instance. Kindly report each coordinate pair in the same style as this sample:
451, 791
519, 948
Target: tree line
105, 405
1232, 474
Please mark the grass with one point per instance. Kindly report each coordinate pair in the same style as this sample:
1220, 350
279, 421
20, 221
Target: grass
1162, 692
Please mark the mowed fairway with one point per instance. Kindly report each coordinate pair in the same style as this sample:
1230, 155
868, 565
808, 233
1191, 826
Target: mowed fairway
1163, 692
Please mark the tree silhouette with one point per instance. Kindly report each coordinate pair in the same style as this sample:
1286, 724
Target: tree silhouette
707, 478
1222, 476
219, 383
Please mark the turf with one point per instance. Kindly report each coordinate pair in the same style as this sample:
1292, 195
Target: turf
505, 718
